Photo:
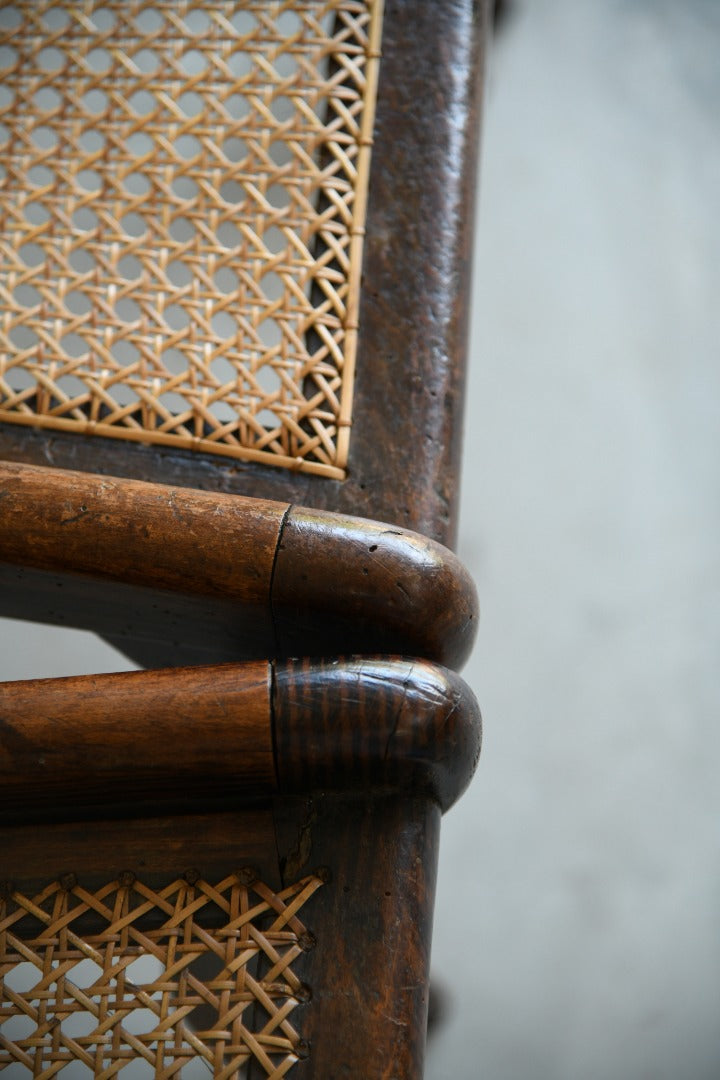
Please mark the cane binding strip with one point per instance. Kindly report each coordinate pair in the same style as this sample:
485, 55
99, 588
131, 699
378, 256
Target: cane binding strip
159, 979
182, 205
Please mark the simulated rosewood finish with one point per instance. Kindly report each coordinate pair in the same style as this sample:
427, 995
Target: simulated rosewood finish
186, 738
183, 576
363, 723
405, 441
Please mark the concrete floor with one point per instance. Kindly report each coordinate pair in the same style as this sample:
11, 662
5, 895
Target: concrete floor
578, 917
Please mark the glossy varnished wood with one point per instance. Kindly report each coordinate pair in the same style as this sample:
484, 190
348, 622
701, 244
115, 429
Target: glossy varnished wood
368, 723
178, 737
400, 592
185, 738
370, 974
182, 576
109, 528
142, 562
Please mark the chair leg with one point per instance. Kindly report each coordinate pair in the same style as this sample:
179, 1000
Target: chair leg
368, 970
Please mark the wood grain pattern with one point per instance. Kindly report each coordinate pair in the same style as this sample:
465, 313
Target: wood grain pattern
369, 970
394, 739
178, 737
200, 737
369, 723
177, 576
144, 534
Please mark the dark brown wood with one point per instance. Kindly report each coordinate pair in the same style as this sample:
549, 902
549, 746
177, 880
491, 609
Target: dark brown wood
156, 849
174, 575
178, 737
407, 418
178, 540
178, 576
400, 592
405, 460
154, 627
366, 956
374, 724
198, 737
368, 968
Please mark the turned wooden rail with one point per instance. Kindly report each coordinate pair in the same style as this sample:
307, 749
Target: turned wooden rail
175, 575
223, 736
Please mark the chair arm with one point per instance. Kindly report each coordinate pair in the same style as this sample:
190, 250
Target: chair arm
225, 736
215, 577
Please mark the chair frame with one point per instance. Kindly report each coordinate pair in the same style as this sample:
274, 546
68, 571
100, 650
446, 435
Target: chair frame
334, 769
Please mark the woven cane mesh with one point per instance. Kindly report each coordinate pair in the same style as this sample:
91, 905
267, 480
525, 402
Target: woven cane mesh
182, 202
194, 979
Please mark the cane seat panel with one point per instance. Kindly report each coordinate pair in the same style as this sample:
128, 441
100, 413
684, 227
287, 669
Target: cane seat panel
192, 974
182, 209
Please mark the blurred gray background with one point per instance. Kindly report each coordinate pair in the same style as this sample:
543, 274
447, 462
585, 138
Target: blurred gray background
578, 915
577, 930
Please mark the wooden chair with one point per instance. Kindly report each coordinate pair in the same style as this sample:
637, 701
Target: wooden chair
234, 248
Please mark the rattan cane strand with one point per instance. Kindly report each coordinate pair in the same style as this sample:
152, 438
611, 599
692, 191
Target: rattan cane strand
117, 976
182, 208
